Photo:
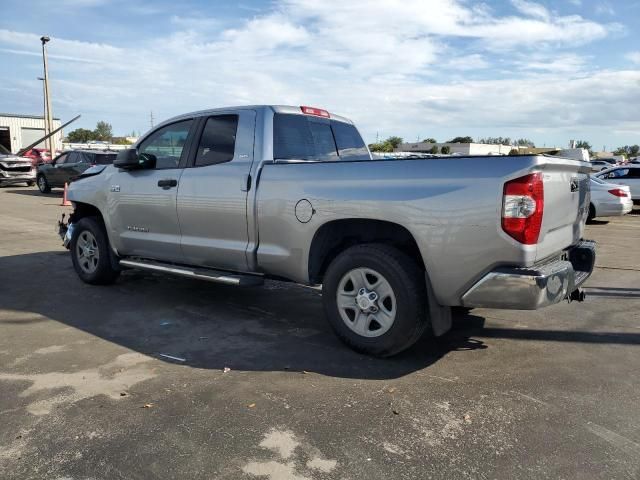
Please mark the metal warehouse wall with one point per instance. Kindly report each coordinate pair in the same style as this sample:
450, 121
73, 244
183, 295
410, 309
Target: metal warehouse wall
17, 123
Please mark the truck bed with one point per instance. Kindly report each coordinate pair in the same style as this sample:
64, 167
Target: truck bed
451, 206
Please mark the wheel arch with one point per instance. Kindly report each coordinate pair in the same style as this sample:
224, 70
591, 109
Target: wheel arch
83, 210
335, 236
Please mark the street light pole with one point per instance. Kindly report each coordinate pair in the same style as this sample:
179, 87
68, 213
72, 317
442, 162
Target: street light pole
44, 102
47, 94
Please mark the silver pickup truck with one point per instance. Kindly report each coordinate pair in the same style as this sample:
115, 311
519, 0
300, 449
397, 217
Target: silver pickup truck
237, 195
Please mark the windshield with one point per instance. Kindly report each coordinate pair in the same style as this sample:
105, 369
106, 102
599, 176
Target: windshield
4, 151
597, 180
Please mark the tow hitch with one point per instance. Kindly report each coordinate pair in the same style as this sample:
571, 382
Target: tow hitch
578, 295
65, 231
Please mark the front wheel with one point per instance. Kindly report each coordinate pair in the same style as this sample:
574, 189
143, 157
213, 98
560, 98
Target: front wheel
90, 253
375, 299
592, 213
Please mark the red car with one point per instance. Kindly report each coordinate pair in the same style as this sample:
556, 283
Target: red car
38, 156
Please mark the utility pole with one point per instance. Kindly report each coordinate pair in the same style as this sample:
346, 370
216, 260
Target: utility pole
47, 94
44, 102
151, 119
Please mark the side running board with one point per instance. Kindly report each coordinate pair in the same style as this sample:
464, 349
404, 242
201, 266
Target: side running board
198, 273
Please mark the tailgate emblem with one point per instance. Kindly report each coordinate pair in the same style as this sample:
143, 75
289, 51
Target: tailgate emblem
574, 184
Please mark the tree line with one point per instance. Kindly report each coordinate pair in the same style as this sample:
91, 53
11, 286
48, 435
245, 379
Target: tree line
102, 133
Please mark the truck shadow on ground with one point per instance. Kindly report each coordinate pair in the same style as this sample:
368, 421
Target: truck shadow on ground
34, 192
277, 327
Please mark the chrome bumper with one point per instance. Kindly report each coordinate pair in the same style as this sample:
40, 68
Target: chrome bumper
522, 288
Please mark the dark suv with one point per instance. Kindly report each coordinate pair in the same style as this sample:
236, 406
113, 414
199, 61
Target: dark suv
68, 165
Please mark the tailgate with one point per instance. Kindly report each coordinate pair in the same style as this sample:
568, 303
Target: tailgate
566, 204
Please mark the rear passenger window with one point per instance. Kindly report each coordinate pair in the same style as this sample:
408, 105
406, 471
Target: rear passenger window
218, 141
350, 143
298, 137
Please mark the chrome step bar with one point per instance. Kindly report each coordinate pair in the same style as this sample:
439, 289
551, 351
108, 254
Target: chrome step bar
197, 273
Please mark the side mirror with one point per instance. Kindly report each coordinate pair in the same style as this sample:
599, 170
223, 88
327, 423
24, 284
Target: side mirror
130, 160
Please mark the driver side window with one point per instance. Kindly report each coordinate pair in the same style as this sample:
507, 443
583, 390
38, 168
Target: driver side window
166, 145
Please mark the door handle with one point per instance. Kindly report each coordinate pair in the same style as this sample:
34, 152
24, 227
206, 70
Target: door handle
168, 183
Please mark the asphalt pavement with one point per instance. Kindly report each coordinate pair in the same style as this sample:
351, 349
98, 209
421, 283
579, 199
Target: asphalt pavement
161, 377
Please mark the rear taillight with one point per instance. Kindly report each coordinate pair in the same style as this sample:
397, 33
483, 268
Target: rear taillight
522, 208
618, 192
318, 112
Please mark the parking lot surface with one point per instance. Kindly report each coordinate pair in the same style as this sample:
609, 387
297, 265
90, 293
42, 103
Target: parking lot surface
259, 387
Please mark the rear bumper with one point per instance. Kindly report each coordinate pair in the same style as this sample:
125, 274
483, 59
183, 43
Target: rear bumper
523, 288
611, 209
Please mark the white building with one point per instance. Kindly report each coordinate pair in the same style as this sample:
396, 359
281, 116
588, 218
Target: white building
20, 131
459, 148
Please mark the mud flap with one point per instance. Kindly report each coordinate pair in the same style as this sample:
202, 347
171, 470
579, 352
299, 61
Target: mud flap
439, 316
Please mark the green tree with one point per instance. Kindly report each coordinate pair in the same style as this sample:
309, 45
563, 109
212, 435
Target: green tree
80, 135
628, 150
429, 140
461, 140
584, 144
387, 145
434, 149
103, 131
446, 150
514, 151
525, 142
394, 141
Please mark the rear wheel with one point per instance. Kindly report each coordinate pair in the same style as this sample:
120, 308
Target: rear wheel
90, 253
43, 185
375, 299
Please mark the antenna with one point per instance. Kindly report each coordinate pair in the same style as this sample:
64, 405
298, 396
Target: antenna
151, 118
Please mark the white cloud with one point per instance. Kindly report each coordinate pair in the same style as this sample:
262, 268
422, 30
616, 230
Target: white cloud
633, 57
605, 8
532, 9
393, 67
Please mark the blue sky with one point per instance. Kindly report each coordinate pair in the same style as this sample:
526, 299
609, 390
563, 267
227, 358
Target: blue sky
547, 70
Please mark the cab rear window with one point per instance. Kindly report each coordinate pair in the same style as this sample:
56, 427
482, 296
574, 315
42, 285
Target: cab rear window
302, 137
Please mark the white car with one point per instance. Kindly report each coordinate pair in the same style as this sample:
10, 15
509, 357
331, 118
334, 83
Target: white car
609, 199
599, 165
628, 175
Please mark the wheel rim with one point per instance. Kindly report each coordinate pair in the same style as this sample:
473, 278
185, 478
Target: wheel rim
366, 302
42, 184
87, 252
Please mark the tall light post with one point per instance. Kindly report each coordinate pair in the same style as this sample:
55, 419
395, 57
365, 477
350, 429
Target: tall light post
44, 102
47, 94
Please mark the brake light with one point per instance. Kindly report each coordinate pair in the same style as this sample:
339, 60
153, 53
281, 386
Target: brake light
618, 192
315, 111
522, 208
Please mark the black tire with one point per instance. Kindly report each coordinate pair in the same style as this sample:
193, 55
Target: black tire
592, 213
43, 185
103, 273
30, 184
407, 281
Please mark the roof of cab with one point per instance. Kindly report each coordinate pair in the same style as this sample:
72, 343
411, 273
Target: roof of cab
290, 109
